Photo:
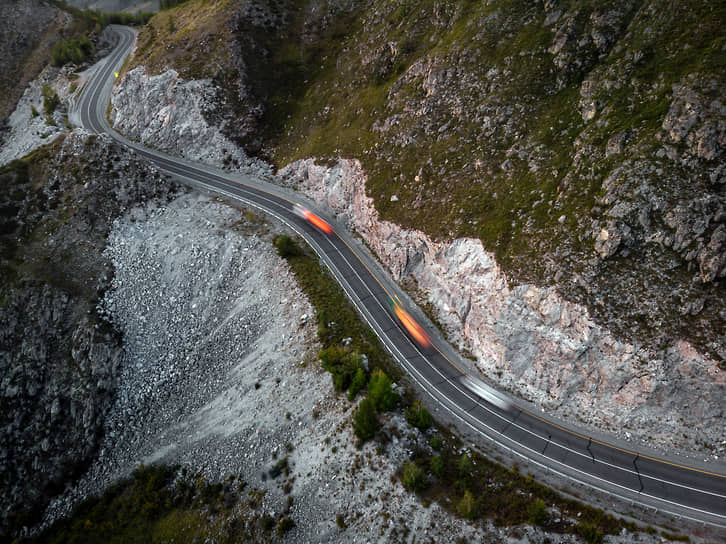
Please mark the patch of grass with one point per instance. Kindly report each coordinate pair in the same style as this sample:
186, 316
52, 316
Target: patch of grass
196, 45
157, 504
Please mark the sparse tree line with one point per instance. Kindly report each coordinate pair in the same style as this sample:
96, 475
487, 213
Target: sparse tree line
75, 50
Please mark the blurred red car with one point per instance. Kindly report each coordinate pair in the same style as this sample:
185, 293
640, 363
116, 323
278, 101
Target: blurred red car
409, 323
314, 219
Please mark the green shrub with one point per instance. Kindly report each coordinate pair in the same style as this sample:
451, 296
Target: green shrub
33, 111
436, 442
419, 417
589, 532
365, 420
50, 99
357, 383
467, 507
414, 478
286, 246
343, 364
436, 466
380, 391
464, 466
537, 512
75, 51
284, 526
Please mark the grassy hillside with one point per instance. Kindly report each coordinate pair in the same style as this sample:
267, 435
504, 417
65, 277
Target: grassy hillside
580, 142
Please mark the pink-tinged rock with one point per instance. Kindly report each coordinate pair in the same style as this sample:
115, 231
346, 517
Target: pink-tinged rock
534, 343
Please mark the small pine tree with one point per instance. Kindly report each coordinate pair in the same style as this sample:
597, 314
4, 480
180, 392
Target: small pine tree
381, 392
418, 416
365, 420
537, 512
467, 507
357, 383
436, 466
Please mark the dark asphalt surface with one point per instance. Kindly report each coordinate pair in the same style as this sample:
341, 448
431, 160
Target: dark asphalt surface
695, 493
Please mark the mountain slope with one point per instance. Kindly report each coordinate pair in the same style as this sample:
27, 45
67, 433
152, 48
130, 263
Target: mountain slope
584, 145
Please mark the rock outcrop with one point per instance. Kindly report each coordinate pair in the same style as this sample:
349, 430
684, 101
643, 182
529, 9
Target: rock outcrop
58, 359
170, 114
28, 29
529, 339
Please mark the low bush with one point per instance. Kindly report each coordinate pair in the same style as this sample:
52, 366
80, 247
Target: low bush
538, 512
419, 417
414, 478
51, 100
343, 365
286, 247
589, 532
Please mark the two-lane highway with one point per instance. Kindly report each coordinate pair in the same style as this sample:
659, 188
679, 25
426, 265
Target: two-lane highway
693, 492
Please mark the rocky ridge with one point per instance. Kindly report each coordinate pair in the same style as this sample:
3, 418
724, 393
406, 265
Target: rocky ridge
59, 360
528, 339
169, 114
27, 30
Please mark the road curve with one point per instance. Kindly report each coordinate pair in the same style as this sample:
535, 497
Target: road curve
696, 492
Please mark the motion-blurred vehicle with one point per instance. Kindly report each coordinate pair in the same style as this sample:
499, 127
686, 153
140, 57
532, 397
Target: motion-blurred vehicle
485, 392
314, 219
409, 323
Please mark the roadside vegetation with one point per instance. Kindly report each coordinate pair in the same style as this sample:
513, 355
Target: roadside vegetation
76, 50
462, 481
165, 504
350, 351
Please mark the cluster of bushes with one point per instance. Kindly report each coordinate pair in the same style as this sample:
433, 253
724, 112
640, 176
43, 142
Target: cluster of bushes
163, 504
473, 487
381, 398
349, 347
74, 50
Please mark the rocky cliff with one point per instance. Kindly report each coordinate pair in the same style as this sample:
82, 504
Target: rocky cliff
170, 114
529, 339
27, 32
59, 361
567, 157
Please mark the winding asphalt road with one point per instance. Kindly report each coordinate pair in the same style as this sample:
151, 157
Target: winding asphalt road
689, 490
